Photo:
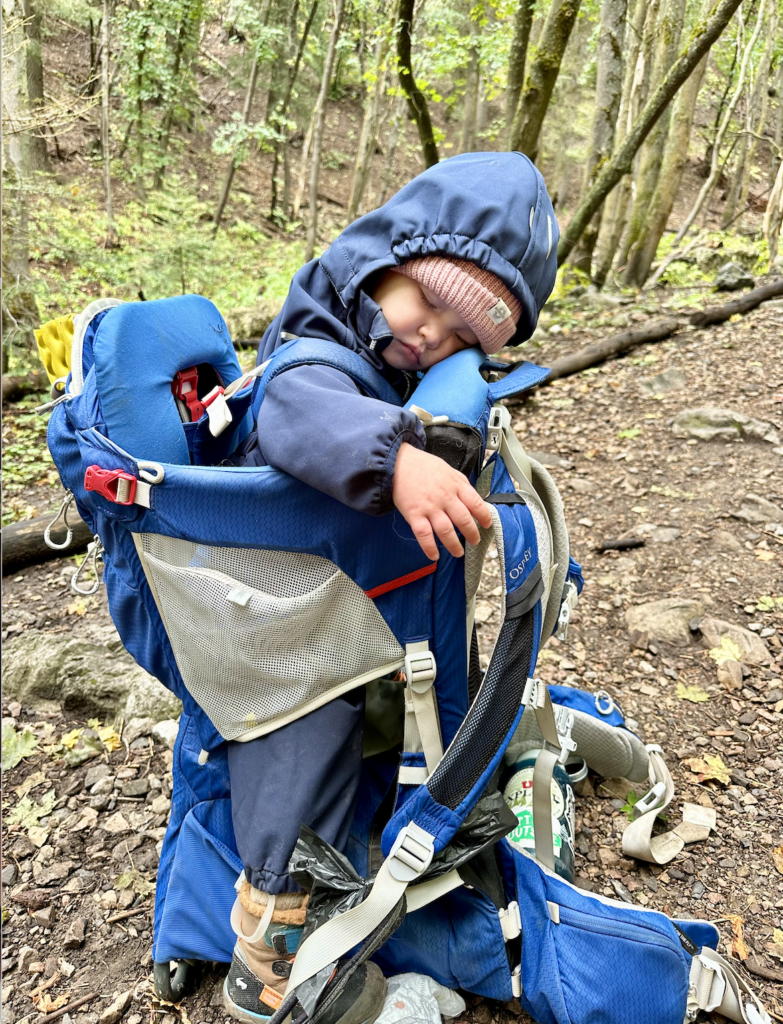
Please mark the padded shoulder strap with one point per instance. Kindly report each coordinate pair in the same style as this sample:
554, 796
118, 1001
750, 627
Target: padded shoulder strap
317, 352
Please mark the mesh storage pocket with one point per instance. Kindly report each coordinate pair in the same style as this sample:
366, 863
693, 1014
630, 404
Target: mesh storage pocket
262, 637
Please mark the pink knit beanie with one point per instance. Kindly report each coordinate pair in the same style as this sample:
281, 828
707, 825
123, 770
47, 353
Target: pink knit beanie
480, 298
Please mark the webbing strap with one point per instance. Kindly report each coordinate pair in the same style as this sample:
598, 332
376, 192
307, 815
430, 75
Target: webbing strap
421, 705
420, 895
542, 807
638, 840
715, 985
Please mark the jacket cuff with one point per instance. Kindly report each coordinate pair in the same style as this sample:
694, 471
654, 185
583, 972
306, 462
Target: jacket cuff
413, 437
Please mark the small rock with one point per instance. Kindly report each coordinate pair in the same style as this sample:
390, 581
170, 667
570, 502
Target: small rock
56, 872
46, 918
756, 509
666, 619
161, 805
607, 857
709, 423
731, 277
65, 968
748, 718
115, 1011
670, 379
137, 727
753, 650
109, 899
74, 937
14, 709
725, 541
135, 787
100, 802
9, 874
104, 786
166, 731
730, 675
96, 774
27, 956
698, 889
50, 966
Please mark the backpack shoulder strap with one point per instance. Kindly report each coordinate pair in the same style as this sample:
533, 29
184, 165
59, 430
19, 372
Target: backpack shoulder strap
317, 352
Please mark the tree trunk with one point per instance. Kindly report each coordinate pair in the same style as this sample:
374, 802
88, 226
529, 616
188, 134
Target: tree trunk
281, 150
709, 184
470, 100
318, 132
608, 90
111, 234
668, 31
139, 169
391, 149
775, 157
180, 56
675, 159
417, 101
773, 217
613, 216
39, 158
542, 75
517, 58
372, 112
226, 190
735, 183
24, 544
702, 38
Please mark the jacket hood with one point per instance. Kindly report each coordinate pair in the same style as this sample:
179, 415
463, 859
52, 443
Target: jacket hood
490, 208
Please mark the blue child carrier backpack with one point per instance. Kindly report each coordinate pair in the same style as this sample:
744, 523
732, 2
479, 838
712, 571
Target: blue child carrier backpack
256, 599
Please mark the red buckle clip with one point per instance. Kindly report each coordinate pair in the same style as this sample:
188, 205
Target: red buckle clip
114, 484
184, 387
207, 400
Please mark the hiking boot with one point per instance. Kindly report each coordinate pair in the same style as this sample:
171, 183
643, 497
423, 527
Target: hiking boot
263, 957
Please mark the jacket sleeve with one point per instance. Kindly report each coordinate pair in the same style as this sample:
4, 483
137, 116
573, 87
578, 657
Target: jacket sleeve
315, 424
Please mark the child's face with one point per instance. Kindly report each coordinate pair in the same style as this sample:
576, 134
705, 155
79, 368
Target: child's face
425, 329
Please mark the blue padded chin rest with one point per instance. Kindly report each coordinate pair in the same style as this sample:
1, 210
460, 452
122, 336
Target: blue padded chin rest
454, 388
138, 349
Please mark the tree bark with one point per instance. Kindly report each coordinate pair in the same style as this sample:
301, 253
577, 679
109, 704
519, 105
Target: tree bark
675, 159
744, 304
517, 58
226, 190
614, 212
417, 101
281, 150
608, 90
39, 158
15, 388
111, 234
541, 76
180, 48
773, 216
372, 112
470, 100
704, 35
318, 132
668, 32
709, 184
391, 149
600, 351
24, 544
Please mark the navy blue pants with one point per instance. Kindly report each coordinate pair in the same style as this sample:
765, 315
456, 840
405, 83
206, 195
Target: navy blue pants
305, 773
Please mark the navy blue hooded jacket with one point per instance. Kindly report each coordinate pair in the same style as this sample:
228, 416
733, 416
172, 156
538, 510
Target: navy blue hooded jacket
489, 208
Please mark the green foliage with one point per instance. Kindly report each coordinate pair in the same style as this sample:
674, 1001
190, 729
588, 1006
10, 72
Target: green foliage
16, 745
28, 813
167, 249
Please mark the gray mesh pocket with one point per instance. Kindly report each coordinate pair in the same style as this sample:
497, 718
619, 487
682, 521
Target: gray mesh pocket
262, 637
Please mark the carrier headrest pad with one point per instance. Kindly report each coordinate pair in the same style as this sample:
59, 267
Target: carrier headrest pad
455, 388
138, 349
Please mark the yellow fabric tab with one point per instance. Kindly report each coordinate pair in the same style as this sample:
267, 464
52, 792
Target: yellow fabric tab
54, 346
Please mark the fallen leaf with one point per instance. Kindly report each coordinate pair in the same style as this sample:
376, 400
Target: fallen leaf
775, 948
764, 556
777, 857
27, 814
728, 651
738, 942
78, 607
136, 881
16, 745
671, 492
630, 434
109, 738
710, 767
45, 1004
88, 745
693, 693
70, 739
30, 783
767, 603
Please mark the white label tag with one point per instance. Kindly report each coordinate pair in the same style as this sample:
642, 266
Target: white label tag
240, 595
499, 312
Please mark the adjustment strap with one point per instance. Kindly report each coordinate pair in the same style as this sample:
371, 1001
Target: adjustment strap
638, 840
715, 985
422, 724
542, 807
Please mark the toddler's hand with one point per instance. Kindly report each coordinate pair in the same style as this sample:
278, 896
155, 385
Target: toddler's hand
434, 497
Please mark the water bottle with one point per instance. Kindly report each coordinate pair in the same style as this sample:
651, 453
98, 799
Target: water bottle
518, 794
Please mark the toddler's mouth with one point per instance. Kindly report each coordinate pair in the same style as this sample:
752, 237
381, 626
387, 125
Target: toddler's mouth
413, 353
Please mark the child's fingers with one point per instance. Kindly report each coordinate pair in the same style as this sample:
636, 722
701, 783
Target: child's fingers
464, 521
476, 505
443, 527
422, 531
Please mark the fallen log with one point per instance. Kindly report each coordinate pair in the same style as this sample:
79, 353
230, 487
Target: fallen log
600, 351
744, 304
15, 388
24, 544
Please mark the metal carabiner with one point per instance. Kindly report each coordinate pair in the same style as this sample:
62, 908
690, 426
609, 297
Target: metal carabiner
94, 552
66, 504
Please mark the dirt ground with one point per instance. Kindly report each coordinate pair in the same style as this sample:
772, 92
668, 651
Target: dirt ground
622, 472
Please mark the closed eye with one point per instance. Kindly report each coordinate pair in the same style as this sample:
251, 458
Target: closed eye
425, 300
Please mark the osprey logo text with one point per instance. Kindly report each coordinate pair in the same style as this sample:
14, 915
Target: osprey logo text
519, 569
